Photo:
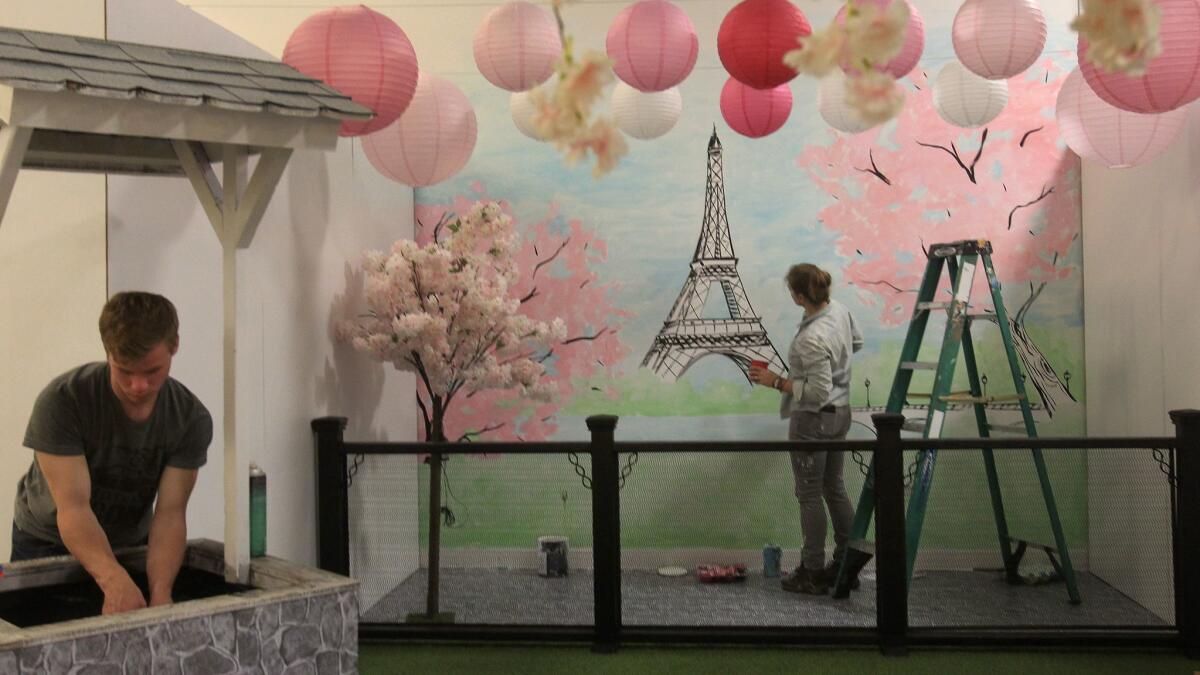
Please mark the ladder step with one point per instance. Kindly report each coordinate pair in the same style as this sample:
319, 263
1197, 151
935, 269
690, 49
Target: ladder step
1009, 428
924, 395
922, 306
918, 365
917, 425
959, 397
1033, 544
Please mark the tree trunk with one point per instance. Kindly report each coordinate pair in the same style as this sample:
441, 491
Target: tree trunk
438, 435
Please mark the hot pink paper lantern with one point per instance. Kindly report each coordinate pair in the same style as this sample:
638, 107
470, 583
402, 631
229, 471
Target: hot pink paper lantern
1172, 78
516, 46
999, 39
753, 38
755, 112
1113, 137
432, 140
914, 40
362, 54
653, 45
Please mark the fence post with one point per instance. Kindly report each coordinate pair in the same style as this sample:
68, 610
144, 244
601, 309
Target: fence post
333, 512
891, 578
1187, 541
606, 533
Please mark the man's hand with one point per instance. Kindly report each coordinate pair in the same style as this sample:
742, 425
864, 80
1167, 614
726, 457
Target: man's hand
121, 594
763, 376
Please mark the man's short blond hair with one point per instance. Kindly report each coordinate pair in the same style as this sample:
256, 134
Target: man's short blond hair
133, 323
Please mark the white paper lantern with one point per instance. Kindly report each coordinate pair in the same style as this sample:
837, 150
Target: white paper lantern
1105, 134
965, 99
999, 39
831, 103
645, 115
522, 110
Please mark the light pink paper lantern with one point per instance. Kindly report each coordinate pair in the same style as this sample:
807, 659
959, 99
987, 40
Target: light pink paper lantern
516, 46
362, 54
1172, 78
914, 40
432, 140
755, 112
653, 45
1116, 138
999, 39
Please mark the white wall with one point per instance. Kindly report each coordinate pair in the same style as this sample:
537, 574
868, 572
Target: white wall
1141, 241
296, 279
52, 267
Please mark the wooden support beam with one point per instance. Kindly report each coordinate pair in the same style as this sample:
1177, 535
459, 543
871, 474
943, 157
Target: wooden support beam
253, 203
198, 168
13, 143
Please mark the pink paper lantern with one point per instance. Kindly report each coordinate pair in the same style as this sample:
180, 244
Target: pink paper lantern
432, 140
362, 54
1113, 137
999, 39
753, 38
755, 112
1172, 78
516, 46
914, 40
653, 45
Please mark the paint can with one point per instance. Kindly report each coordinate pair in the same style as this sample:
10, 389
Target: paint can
772, 555
258, 511
552, 556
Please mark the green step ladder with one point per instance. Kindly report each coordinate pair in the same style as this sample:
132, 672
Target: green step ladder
960, 259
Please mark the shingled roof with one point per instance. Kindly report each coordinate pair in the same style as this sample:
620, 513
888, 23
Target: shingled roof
121, 70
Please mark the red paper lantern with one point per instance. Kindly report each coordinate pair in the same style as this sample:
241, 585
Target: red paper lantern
755, 112
753, 38
362, 54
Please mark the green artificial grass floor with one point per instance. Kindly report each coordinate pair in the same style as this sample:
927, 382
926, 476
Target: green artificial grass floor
375, 659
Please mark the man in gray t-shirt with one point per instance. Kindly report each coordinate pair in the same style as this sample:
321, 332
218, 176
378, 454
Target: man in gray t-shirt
109, 438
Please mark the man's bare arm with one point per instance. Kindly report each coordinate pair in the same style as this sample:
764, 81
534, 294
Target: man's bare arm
71, 488
168, 532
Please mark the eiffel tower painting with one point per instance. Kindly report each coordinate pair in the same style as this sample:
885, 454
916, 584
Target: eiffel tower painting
687, 335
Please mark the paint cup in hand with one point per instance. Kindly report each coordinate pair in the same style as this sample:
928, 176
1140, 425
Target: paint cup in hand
761, 365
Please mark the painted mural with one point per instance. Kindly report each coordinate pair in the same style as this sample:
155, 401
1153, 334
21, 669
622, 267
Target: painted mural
613, 258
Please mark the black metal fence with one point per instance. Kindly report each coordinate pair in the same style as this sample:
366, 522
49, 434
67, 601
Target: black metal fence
893, 630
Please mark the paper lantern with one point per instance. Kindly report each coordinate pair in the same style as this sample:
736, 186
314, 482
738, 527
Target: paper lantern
1116, 138
362, 54
431, 141
653, 45
914, 40
965, 99
831, 103
516, 46
1172, 78
753, 38
755, 112
999, 39
645, 115
522, 110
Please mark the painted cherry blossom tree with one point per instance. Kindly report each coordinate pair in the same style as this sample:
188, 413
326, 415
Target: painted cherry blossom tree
556, 279
897, 189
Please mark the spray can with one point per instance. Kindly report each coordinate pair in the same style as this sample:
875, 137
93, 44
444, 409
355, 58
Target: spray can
258, 511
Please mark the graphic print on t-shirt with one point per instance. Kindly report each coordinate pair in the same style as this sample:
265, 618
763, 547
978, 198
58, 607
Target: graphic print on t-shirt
123, 491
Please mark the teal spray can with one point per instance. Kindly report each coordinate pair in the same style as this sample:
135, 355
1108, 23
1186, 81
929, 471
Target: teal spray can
258, 511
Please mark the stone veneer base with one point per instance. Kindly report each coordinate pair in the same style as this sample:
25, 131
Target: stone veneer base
296, 620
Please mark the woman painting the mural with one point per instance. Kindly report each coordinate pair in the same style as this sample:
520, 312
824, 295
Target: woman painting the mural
816, 400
